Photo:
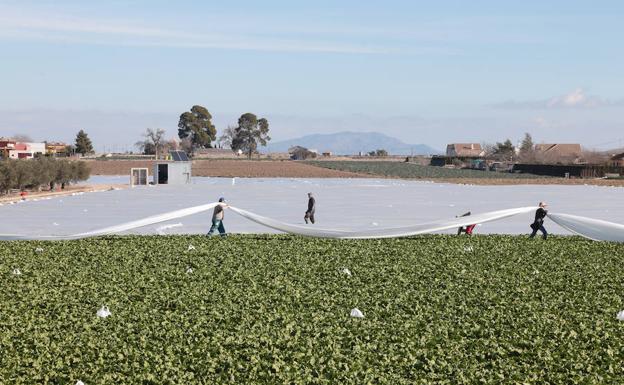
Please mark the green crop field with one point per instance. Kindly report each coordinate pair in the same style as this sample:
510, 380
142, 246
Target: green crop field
275, 309
411, 170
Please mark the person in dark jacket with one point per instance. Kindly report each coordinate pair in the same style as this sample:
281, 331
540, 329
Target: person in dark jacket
309, 214
538, 223
217, 218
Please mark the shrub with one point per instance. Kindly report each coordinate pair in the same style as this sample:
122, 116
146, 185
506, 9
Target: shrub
41, 172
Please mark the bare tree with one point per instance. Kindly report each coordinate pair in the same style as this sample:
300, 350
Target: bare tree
226, 138
154, 142
595, 157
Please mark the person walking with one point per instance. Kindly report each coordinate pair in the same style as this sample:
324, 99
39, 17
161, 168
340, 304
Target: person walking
311, 207
538, 223
217, 218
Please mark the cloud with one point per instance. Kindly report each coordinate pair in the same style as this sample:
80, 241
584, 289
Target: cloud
576, 99
31, 25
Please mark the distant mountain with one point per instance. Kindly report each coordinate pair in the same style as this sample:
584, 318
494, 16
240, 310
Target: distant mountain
352, 143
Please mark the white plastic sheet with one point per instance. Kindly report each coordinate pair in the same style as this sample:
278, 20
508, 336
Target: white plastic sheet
103, 312
405, 231
119, 228
595, 229
356, 313
587, 227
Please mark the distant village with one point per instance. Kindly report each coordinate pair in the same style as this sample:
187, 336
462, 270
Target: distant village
554, 159
12, 149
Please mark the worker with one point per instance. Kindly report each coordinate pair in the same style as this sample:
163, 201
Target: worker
217, 218
309, 214
538, 223
466, 229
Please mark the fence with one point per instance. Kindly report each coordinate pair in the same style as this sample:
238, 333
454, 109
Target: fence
572, 170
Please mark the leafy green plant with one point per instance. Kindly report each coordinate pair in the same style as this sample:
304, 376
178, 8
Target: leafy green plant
411, 170
276, 309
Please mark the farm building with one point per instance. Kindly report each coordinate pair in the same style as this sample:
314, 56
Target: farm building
559, 152
175, 171
464, 150
617, 160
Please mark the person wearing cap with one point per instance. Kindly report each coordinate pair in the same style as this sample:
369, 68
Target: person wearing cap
309, 214
217, 218
538, 223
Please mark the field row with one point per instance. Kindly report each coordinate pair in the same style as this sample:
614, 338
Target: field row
411, 170
276, 309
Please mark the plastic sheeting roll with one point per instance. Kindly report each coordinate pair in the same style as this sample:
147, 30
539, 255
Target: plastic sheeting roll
395, 232
587, 227
595, 229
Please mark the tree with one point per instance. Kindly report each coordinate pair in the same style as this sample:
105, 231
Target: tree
225, 140
43, 172
504, 151
197, 126
23, 173
7, 175
186, 145
527, 149
153, 142
83, 143
249, 133
70, 150
79, 171
379, 153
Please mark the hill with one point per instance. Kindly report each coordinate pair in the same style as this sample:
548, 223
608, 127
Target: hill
350, 143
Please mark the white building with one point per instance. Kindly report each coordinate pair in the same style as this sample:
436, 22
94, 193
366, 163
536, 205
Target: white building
27, 150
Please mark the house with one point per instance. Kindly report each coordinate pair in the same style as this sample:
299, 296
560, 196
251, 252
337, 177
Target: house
301, 153
16, 150
464, 150
559, 152
6, 146
56, 148
617, 160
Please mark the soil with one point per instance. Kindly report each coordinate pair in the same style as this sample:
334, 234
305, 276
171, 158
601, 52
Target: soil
230, 168
290, 169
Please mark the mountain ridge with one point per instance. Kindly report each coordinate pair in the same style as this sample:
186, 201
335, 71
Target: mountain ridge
352, 143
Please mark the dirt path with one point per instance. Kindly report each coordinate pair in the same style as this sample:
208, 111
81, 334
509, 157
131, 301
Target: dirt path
67, 191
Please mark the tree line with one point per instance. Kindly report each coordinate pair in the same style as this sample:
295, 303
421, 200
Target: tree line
196, 131
526, 152
41, 172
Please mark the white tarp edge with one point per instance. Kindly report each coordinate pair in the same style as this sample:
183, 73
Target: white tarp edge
587, 227
595, 229
118, 228
405, 231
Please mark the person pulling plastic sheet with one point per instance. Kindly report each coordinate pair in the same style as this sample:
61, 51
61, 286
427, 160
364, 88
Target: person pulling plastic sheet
217, 218
538, 223
466, 229
309, 214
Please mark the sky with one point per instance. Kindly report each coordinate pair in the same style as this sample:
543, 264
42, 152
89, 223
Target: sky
422, 71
